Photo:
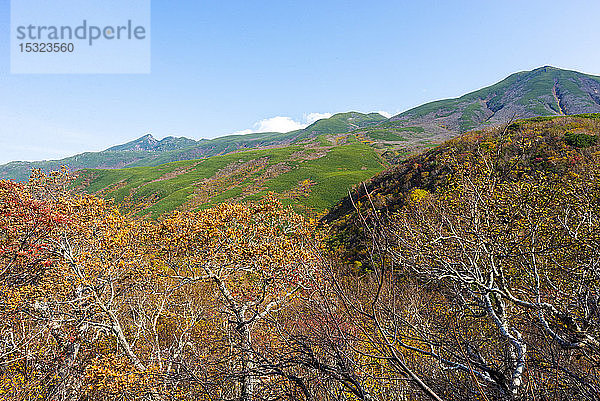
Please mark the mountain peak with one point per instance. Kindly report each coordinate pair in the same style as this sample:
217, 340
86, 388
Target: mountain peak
146, 142
544, 91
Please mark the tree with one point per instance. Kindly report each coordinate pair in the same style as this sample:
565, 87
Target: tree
257, 258
514, 255
97, 303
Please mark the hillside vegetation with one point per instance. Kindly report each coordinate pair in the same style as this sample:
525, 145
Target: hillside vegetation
312, 177
469, 272
552, 144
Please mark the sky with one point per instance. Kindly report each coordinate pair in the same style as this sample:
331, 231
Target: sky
221, 67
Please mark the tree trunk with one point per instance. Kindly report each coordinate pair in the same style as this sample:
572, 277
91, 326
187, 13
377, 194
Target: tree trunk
248, 381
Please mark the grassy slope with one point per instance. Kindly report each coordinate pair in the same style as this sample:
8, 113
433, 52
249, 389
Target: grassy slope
449, 104
344, 122
332, 175
174, 149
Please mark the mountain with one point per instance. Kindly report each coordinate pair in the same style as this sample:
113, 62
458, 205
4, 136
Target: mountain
545, 91
344, 122
149, 143
312, 175
148, 151
555, 144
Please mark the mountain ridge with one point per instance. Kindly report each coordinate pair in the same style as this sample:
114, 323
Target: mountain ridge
544, 91
149, 143
148, 151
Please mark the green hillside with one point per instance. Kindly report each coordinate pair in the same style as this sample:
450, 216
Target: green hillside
148, 151
344, 122
312, 176
543, 91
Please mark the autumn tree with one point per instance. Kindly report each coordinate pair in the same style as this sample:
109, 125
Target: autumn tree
100, 304
257, 259
31, 218
68, 262
506, 256
483, 282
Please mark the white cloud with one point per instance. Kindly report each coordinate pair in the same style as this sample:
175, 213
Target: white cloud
278, 124
243, 132
385, 114
283, 124
312, 117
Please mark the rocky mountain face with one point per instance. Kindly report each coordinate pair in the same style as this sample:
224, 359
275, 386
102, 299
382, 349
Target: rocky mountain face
151, 144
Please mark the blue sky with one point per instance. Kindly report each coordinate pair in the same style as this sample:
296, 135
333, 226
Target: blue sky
220, 67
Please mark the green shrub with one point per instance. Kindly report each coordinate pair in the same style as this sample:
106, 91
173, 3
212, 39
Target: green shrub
580, 140
541, 119
589, 115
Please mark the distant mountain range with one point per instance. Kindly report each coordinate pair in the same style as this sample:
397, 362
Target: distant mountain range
545, 91
148, 151
150, 144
